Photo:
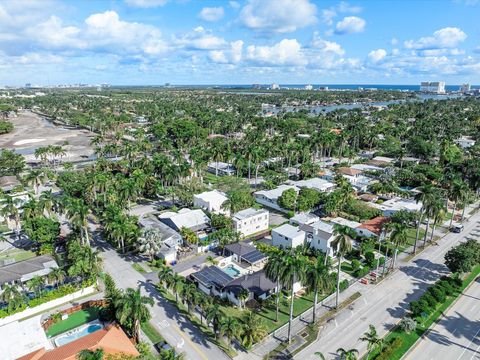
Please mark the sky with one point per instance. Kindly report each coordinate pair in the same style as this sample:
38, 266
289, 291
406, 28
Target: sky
152, 42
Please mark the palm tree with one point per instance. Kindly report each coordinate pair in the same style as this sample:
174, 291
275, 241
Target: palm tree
424, 196
132, 310
273, 269
12, 296
203, 302
214, 314
229, 327
242, 296
176, 283
372, 339
57, 275
456, 192
398, 237
46, 202
318, 280
10, 210
436, 210
164, 275
351, 354
35, 284
77, 212
188, 293
342, 245
210, 260
253, 329
293, 271
97, 354
320, 355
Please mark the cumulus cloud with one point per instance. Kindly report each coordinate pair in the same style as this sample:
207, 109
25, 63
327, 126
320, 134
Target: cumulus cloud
350, 25
327, 46
285, 52
377, 55
230, 56
329, 14
145, 3
211, 13
280, 16
448, 37
200, 39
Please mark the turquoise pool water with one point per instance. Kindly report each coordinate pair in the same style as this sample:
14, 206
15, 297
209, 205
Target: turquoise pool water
232, 271
77, 333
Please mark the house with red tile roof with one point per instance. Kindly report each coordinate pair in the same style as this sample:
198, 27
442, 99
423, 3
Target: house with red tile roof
111, 339
373, 227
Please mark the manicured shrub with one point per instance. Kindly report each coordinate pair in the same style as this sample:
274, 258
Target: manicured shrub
407, 324
390, 349
356, 265
362, 272
370, 258
344, 285
438, 293
431, 301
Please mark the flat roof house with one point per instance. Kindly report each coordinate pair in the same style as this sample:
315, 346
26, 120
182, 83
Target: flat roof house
22, 271
270, 197
288, 236
320, 235
221, 169
211, 201
317, 183
303, 219
396, 204
194, 220
251, 221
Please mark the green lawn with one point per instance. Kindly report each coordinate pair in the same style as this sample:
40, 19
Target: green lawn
151, 333
347, 267
17, 254
139, 268
76, 319
210, 178
408, 340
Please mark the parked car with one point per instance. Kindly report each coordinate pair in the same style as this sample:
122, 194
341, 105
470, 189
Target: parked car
457, 228
162, 345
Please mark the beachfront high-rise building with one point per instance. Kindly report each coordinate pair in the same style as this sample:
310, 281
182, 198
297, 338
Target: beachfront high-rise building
465, 88
275, 87
308, 87
435, 87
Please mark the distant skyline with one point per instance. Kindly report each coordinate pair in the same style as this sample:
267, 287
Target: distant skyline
152, 42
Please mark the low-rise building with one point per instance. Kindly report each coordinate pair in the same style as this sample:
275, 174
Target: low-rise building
317, 183
303, 219
251, 221
195, 220
22, 271
396, 204
221, 168
243, 252
257, 285
171, 240
320, 236
8, 183
353, 225
269, 198
288, 236
373, 227
211, 201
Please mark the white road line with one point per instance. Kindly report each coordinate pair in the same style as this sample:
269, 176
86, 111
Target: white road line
466, 347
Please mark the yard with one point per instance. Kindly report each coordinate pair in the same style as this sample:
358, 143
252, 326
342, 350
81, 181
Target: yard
76, 319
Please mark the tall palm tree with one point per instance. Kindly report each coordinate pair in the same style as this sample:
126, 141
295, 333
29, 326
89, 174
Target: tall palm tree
229, 327
132, 310
57, 275
342, 244
12, 295
436, 210
10, 211
77, 212
318, 279
35, 284
456, 193
188, 292
424, 196
214, 314
273, 269
351, 354
373, 340
47, 202
398, 237
293, 271
176, 283
164, 275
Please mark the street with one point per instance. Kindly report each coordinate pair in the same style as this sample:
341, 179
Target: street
385, 304
177, 330
456, 335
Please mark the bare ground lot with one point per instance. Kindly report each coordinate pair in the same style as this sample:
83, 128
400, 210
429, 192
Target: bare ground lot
32, 131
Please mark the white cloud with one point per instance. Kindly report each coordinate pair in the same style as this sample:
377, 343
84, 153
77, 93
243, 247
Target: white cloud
145, 3
211, 13
200, 39
327, 46
345, 7
448, 37
377, 55
350, 25
286, 52
328, 15
52, 33
280, 16
231, 56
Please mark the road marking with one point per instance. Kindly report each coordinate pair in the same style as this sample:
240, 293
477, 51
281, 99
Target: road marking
192, 344
470, 343
180, 344
163, 324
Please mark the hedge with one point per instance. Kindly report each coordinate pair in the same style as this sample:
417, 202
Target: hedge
391, 348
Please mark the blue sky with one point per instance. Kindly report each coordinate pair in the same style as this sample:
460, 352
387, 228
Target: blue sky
152, 42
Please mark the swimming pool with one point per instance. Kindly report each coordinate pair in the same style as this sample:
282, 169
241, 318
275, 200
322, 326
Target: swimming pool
77, 333
232, 271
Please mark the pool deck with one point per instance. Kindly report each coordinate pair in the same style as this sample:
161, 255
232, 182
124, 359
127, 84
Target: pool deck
54, 340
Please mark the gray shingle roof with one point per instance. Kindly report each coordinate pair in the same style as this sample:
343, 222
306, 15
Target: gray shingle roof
27, 269
258, 283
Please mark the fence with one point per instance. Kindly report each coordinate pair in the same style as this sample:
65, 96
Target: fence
88, 304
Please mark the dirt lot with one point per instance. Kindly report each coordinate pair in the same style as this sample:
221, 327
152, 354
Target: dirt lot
32, 131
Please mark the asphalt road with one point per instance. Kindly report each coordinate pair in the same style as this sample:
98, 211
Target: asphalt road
385, 304
457, 335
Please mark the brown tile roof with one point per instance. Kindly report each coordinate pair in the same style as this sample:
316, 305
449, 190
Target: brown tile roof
112, 340
349, 171
375, 225
368, 197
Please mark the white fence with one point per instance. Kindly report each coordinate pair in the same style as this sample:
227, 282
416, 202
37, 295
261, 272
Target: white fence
48, 305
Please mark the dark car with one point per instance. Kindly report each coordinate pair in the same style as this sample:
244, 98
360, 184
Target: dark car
162, 345
457, 229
